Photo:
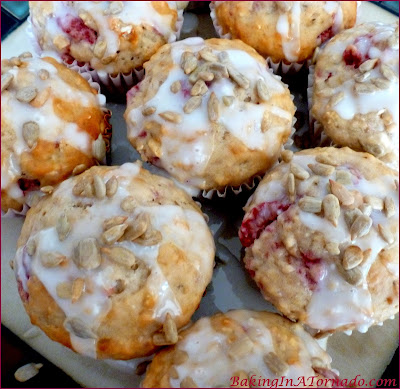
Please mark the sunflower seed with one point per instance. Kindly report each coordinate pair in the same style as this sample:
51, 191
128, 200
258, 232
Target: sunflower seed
111, 186
120, 255
321, 169
327, 159
353, 276
207, 54
27, 94
28, 371
362, 77
100, 48
25, 54
149, 238
352, 257
188, 62
114, 233
48, 189
373, 148
78, 328
219, 70
188, 382
213, 108
340, 191
31, 247
367, 65
310, 204
192, 104
114, 221
364, 88
332, 248
331, 207
30, 133
206, 76
99, 148
336, 98
199, 88
61, 42
64, 290
381, 83
43, 74
388, 73
351, 215
172, 373
99, 187
6, 80
326, 92
148, 111
343, 177
179, 357
360, 227
228, 100
262, 90
170, 330
78, 287
366, 209
291, 187
138, 227
79, 169
171, 116
63, 227
175, 87
128, 204
239, 78
160, 340
287, 155
223, 56
389, 206
374, 202
87, 254
386, 234
298, 171
52, 258
276, 364
240, 348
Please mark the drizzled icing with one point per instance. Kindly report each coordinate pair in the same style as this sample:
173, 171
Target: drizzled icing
210, 366
288, 26
176, 225
53, 128
335, 302
189, 144
110, 27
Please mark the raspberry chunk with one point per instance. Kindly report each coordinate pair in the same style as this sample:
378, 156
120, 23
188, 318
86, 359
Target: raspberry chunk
258, 219
27, 184
325, 35
77, 29
352, 57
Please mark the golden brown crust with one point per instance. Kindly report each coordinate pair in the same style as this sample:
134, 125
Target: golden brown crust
126, 330
254, 22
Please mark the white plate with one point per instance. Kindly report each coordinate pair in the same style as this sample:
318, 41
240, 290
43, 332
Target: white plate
363, 354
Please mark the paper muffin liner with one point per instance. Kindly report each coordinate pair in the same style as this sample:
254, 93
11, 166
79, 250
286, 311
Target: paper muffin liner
112, 85
278, 67
106, 134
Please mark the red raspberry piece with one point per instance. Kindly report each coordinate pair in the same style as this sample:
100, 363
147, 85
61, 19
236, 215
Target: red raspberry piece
352, 57
24, 295
325, 35
258, 219
77, 29
132, 92
312, 269
27, 185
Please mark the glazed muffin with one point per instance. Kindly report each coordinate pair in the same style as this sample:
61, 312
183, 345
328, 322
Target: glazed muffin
241, 349
355, 95
209, 112
111, 36
114, 262
53, 124
321, 238
287, 31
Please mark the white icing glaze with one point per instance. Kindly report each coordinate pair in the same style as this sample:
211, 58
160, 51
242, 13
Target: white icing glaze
53, 128
210, 366
190, 143
335, 302
176, 225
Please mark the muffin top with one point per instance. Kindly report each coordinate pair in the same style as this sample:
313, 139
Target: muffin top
112, 36
229, 349
356, 89
327, 222
110, 257
210, 112
52, 120
286, 31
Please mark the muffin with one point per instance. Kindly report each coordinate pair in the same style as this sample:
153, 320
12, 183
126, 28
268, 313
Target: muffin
321, 238
114, 262
284, 31
53, 124
355, 96
209, 112
241, 349
112, 37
